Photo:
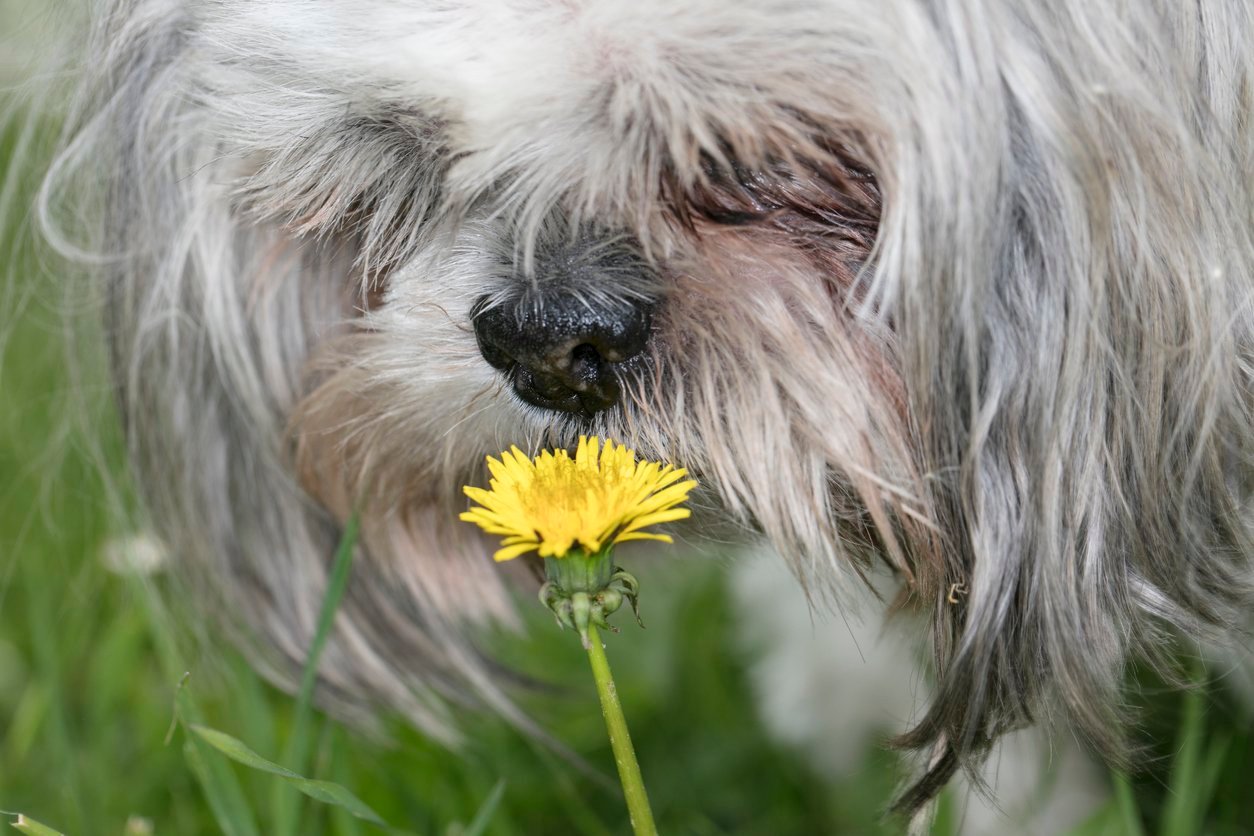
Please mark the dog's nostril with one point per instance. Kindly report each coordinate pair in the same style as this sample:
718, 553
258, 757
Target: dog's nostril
564, 354
584, 356
496, 357
584, 368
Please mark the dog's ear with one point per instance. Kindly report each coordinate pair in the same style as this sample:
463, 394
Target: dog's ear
1075, 330
226, 258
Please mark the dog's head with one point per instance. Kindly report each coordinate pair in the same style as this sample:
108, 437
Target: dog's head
961, 289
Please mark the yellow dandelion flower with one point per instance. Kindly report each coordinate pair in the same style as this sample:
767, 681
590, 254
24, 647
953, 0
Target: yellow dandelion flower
554, 503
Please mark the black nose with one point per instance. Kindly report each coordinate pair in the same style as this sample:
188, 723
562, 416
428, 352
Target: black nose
566, 352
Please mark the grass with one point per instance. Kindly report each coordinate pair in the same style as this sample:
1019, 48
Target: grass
102, 731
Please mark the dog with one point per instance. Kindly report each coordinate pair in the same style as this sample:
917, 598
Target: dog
958, 291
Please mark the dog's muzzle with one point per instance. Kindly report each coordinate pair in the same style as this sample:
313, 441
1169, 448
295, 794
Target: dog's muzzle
565, 352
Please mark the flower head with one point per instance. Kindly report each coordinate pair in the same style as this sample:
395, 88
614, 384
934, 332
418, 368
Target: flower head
554, 503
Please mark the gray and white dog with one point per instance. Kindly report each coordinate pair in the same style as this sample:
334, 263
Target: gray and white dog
957, 287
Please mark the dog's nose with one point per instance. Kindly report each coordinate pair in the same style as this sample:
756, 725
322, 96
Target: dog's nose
564, 353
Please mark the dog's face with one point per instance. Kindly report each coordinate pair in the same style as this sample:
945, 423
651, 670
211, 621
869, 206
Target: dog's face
949, 287
572, 217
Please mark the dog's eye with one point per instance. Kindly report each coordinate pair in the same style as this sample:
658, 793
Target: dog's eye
731, 199
811, 197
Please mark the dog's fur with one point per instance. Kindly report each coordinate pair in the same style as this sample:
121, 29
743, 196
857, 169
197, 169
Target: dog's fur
963, 286
829, 687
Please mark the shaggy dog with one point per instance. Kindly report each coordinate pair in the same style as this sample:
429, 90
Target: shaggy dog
957, 287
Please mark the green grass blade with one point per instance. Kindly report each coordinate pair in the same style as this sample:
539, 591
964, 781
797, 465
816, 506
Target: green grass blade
42, 616
284, 805
1129, 813
1212, 768
479, 824
323, 791
229, 811
1185, 809
33, 827
219, 784
342, 773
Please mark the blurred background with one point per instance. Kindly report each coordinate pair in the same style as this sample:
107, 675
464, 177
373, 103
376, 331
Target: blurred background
95, 645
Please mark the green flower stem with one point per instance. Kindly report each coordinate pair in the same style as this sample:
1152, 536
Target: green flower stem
620, 740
